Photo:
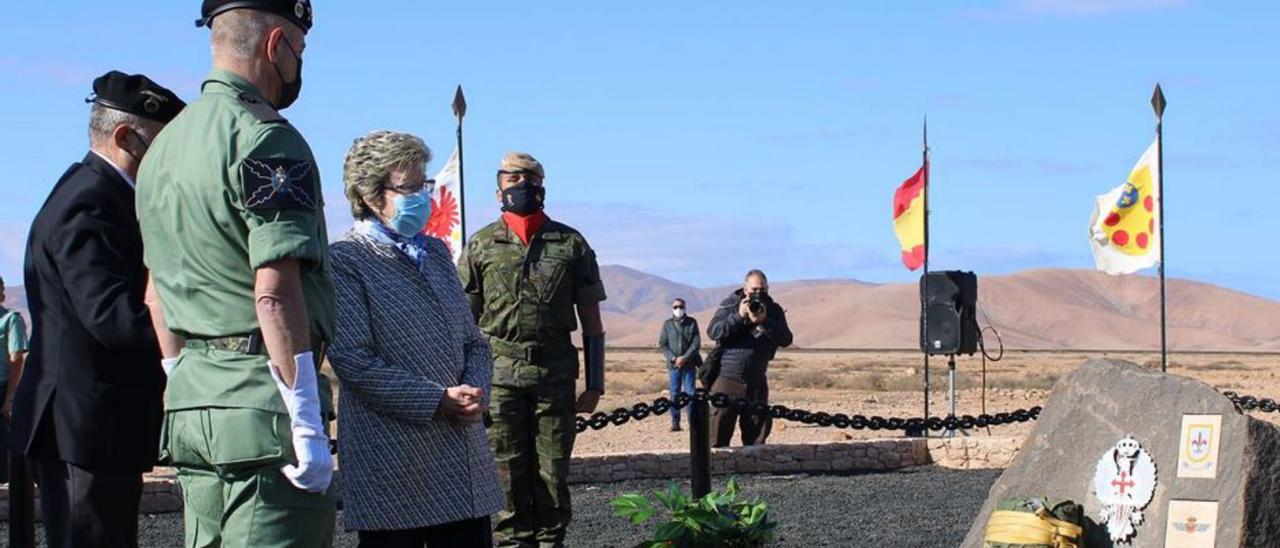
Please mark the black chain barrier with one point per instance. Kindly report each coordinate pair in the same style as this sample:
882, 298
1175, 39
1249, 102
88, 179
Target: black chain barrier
663, 405
1250, 403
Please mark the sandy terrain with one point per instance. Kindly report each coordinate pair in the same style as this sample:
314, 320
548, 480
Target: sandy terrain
1057, 309
890, 384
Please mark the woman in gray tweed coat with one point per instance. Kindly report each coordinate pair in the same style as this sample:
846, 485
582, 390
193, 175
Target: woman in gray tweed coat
413, 368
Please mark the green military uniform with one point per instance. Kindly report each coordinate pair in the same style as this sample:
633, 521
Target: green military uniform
228, 187
523, 297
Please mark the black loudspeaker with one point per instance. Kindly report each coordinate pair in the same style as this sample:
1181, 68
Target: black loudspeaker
949, 322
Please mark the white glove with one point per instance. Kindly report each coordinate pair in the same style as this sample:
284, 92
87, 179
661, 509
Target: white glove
168, 364
315, 465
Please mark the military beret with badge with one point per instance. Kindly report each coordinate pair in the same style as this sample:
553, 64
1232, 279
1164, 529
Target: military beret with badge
297, 12
135, 94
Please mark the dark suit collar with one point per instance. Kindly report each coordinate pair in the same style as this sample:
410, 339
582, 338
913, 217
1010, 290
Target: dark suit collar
105, 169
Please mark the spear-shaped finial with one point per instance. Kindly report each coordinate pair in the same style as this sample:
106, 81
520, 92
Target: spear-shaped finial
925, 133
1157, 102
459, 104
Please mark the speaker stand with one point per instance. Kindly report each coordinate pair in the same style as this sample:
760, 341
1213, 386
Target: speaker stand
951, 395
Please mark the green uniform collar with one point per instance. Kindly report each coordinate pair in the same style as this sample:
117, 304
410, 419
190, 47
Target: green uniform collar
237, 83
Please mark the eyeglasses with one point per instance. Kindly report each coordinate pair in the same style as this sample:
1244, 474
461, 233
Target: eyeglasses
428, 186
677, 308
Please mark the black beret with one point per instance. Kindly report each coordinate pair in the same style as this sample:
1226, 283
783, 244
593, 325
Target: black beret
135, 94
296, 11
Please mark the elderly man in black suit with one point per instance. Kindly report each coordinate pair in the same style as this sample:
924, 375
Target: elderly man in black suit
87, 410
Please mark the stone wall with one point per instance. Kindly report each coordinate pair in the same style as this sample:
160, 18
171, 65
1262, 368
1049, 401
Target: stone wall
973, 453
161, 493
967, 453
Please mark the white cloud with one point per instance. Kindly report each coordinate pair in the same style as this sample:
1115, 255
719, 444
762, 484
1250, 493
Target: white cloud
1067, 8
78, 73
1092, 7
337, 214
708, 249
1005, 259
712, 249
13, 244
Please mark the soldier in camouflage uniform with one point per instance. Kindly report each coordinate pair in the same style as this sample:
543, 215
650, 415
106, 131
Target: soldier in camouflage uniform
525, 275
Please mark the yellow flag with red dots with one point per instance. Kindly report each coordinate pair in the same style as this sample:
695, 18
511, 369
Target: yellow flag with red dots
1123, 231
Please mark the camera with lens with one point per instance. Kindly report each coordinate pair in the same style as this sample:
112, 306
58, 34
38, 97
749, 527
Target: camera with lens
756, 304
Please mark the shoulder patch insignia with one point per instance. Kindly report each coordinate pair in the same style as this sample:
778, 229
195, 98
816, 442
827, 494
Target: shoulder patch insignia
278, 183
260, 109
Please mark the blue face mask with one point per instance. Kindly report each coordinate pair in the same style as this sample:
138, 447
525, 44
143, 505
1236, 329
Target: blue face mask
412, 213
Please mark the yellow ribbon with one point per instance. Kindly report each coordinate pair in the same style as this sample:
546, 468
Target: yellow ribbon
1010, 527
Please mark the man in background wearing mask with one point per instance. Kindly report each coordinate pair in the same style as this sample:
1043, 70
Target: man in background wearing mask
749, 327
680, 344
525, 275
87, 409
13, 351
231, 212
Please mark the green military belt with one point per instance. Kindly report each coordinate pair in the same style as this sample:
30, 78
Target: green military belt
239, 344
244, 344
530, 352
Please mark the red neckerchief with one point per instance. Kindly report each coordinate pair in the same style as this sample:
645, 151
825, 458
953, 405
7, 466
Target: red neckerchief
525, 226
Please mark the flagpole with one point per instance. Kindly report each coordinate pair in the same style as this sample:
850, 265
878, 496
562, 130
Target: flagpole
459, 112
1157, 104
924, 309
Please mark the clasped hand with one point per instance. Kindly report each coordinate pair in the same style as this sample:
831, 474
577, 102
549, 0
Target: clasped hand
463, 404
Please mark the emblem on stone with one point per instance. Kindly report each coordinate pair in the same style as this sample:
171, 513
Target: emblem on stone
1198, 446
1124, 482
1191, 524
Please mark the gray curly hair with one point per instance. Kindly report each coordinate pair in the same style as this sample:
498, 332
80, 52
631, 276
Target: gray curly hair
368, 165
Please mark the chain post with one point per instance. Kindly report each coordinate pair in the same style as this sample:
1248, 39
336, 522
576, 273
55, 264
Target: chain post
700, 446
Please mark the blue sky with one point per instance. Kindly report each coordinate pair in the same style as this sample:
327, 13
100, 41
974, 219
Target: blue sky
696, 140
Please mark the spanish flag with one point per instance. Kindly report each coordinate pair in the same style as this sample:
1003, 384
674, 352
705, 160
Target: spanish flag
909, 218
1123, 229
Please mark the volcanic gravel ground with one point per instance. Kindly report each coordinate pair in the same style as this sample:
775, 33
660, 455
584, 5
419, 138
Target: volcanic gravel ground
915, 507
925, 507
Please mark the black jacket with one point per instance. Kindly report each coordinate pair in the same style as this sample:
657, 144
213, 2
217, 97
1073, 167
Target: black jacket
93, 385
746, 351
680, 339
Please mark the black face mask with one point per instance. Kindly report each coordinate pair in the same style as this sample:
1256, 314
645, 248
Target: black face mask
289, 91
140, 144
524, 198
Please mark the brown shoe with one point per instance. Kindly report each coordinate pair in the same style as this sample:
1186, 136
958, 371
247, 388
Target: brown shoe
675, 428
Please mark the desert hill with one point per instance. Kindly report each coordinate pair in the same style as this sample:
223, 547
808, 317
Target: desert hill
16, 299
1036, 309
1046, 309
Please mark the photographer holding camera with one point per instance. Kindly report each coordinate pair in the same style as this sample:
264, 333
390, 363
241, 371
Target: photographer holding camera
749, 327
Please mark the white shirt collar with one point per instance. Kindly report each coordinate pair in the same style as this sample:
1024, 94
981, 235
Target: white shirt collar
123, 175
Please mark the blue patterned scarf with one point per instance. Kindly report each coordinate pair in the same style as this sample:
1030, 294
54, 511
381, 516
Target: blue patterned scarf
414, 248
